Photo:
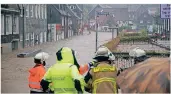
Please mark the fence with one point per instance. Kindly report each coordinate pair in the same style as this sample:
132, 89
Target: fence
123, 60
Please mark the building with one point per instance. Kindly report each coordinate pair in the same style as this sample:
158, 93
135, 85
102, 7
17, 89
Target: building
78, 13
144, 21
115, 16
9, 27
33, 24
57, 21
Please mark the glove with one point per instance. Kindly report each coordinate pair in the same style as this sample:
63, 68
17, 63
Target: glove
91, 64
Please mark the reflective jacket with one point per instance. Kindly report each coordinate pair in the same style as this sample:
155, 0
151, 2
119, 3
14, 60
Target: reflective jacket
63, 74
102, 79
35, 76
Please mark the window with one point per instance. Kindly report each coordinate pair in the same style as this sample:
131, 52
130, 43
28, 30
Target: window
61, 7
129, 16
141, 21
27, 36
148, 22
32, 38
14, 24
27, 39
39, 9
132, 16
31, 10
58, 6
2, 24
7, 24
72, 7
21, 37
62, 21
27, 10
42, 7
36, 11
21, 13
45, 12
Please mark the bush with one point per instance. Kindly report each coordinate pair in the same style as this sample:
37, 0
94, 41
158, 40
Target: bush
144, 32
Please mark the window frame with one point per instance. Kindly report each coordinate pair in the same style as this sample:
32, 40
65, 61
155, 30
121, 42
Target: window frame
141, 21
45, 12
32, 11
36, 11
2, 24
7, 21
42, 7
27, 10
14, 24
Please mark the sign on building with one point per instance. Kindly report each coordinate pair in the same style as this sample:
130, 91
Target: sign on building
103, 13
165, 11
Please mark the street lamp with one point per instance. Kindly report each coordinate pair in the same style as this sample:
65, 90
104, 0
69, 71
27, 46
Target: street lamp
22, 11
96, 26
96, 23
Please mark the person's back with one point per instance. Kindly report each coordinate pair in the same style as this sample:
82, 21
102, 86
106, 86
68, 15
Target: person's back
103, 77
61, 78
37, 72
64, 75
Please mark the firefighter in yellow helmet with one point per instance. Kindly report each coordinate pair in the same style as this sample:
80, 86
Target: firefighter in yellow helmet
102, 77
64, 75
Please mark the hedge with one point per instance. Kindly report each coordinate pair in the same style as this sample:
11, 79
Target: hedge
134, 38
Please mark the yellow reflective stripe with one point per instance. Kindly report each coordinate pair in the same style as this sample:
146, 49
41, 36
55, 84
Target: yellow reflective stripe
102, 80
104, 69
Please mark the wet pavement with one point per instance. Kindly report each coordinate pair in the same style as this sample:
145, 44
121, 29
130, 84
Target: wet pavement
15, 70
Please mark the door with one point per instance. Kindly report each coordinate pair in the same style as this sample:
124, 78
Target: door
14, 45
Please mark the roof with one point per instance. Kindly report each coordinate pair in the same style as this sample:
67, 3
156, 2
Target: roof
79, 8
118, 5
119, 13
95, 7
10, 7
73, 13
133, 7
60, 11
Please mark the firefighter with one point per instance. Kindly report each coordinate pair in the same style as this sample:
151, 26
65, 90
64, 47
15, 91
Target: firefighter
138, 55
101, 78
85, 68
37, 72
64, 74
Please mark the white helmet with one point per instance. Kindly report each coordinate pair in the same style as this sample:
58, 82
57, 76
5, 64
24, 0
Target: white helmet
42, 56
111, 56
104, 51
137, 52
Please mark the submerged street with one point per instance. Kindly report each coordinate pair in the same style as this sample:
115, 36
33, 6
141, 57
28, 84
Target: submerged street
15, 70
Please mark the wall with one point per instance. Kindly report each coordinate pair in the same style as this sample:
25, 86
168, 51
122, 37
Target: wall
35, 23
6, 48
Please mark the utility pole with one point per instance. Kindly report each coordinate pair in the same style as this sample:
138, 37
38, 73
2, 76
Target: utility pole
96, 29
23, 27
